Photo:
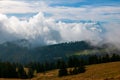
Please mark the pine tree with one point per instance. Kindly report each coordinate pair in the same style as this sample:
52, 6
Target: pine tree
21, 72
30, 73
115, 57
105, 58
93, 59
75, 70
81, 69
63, 70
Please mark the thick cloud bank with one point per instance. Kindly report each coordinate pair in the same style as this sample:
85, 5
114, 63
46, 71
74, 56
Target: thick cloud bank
40, 30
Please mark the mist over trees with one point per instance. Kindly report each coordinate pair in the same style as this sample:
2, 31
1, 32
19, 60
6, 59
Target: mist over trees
25, 54
22, 62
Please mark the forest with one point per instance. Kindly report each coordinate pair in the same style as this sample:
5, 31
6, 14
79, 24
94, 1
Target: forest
77, 65
23, 54
23, 62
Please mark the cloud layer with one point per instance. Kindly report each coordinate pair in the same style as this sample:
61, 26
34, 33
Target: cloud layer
40, 30
87, 21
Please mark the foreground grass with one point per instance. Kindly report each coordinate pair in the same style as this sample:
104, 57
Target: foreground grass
105, 71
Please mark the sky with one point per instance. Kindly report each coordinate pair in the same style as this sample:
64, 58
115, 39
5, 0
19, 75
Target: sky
45, 22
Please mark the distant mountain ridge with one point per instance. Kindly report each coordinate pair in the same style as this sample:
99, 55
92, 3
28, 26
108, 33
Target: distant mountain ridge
21, 51
20, 43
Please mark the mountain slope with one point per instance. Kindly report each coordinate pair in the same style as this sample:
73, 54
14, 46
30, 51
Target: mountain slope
22, 51
13, 52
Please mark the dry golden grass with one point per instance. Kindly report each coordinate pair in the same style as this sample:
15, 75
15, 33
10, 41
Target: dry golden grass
105, 71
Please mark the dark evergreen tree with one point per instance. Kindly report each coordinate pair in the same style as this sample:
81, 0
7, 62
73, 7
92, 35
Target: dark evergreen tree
75, 71
74, 62
93, 59
81, 69
21, 72
7, 70
70, 62
105, 58
11, 70
115, 57
63, 70
30, 73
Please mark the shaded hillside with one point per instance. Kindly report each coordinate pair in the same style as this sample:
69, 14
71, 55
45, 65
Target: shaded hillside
13, 52
58, 51
22, 51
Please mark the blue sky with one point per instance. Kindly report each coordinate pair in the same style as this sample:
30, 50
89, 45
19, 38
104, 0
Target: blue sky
78, 3
62, 9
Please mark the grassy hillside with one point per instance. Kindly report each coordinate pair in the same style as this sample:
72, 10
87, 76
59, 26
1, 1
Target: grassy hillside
105, 71
99, 51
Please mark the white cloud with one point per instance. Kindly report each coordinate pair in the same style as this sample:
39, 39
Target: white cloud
86, 13
95, 13
41, 30
12, 6
113, 35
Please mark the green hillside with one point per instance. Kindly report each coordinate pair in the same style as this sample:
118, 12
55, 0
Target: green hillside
13, 52
16, 53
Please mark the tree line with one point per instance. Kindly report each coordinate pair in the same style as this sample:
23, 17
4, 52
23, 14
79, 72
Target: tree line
25, 55
78, 65
73, 65
14, 70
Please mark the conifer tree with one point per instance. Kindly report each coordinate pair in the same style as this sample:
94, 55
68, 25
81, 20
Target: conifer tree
63, 70
21, 72
30, 73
